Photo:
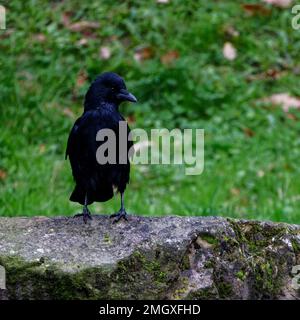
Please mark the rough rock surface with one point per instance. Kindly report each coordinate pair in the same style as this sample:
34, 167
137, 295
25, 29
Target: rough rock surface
148, 258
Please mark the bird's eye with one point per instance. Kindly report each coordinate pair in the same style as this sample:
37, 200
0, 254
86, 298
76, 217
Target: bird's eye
112, 89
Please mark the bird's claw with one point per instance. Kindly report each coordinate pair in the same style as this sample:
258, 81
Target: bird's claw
119, 215
85, 214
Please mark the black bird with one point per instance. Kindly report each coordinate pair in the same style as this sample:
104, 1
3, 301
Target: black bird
94, 181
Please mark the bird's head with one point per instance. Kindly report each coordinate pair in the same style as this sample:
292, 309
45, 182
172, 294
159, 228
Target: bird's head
107, 88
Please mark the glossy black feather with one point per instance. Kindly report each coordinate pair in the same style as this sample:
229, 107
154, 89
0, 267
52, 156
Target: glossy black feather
93, 180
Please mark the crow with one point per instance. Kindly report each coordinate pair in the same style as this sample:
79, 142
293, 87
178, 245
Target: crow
95, 181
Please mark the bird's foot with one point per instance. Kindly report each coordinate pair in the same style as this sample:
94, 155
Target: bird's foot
86, 214
119, 215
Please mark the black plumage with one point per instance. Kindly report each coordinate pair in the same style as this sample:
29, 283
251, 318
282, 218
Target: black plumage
94, 181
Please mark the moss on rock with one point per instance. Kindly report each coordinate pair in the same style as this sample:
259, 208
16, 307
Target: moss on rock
148, 258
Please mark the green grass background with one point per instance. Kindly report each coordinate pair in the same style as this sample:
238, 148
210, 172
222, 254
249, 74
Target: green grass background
252, 176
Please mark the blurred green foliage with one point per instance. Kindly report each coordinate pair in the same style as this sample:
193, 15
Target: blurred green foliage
170, 55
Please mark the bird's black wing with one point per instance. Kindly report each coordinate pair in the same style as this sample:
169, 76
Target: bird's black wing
71, 144
91, 177
81, 147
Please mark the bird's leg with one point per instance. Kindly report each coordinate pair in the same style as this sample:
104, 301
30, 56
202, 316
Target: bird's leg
86, 214
122, 212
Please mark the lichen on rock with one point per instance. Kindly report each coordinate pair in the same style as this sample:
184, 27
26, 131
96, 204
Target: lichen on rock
148, 258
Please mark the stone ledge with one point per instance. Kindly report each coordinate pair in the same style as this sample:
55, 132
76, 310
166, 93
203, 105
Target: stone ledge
148, 258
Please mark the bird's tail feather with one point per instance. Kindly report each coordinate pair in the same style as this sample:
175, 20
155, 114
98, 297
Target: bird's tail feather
100, 194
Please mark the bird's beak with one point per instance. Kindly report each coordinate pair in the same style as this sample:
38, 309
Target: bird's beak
124, 95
